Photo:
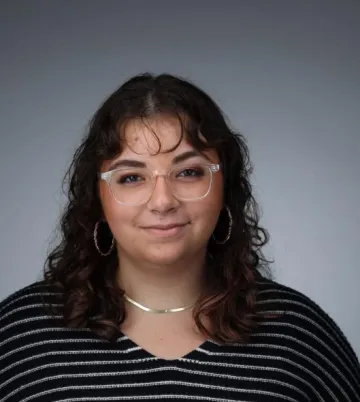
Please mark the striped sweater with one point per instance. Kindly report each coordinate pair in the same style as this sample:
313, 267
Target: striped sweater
300, 356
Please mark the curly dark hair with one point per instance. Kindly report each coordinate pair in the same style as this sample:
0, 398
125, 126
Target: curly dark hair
91, 295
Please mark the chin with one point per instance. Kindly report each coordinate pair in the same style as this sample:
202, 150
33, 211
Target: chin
165, 255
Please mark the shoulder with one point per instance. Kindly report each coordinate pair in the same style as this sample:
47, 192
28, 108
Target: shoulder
298, 315
294, 307
23, 308
37, 292
299, 329
273, 296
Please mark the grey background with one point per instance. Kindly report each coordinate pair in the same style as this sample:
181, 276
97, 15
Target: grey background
285, 72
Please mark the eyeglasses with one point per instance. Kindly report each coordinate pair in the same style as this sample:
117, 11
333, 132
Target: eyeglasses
134, 186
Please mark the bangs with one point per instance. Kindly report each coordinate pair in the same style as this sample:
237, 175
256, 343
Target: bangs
190, 131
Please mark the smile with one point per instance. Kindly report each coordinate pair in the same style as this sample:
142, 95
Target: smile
163, 231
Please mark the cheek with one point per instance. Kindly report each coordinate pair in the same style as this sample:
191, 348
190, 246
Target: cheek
121, 223
206, 214
117, 216
208, 209
214, 201
107, 202
218, 189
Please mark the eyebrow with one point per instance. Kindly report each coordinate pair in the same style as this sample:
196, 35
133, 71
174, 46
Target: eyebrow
177, 159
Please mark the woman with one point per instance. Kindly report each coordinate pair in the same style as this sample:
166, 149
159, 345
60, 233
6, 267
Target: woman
158, 289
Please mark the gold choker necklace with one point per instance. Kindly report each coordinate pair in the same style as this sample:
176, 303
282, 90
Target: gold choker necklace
155, 311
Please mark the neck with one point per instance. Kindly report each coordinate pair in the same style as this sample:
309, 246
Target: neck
161, 287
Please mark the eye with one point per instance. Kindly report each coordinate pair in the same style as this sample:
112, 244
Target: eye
122, 178
191, 172
129, 179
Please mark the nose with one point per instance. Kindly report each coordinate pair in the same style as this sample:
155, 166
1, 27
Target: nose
162, 198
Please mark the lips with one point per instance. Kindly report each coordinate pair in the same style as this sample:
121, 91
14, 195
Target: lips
165, 227
162, 231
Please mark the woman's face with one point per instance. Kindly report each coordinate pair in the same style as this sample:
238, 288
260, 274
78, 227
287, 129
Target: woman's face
164, 230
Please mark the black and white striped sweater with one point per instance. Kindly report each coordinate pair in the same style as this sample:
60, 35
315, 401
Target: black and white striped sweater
301, 356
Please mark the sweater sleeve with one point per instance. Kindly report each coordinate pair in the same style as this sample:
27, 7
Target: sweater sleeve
315, 344
339, 370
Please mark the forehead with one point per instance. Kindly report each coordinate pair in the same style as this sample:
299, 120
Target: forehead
151, 136
156, 140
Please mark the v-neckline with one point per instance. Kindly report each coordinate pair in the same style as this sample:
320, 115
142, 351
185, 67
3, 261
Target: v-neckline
148, 354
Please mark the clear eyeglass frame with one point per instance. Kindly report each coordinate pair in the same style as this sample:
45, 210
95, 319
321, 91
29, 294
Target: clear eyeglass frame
213, 168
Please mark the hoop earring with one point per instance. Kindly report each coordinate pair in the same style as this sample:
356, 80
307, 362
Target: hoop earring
229, 229
96, 242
